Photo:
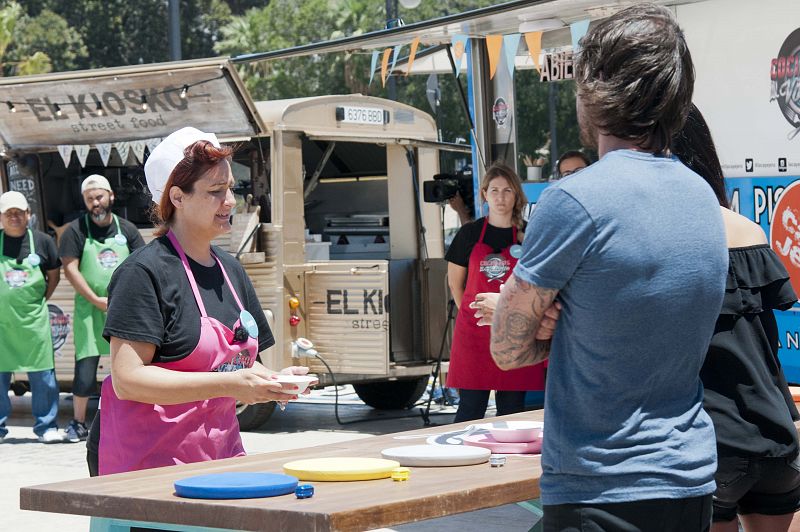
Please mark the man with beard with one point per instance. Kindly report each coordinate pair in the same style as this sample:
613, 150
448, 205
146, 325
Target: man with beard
634, 248
91, 248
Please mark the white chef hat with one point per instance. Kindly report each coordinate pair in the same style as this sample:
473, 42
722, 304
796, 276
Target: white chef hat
166, 156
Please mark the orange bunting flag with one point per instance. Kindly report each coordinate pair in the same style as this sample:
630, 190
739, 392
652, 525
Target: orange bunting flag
411, 54
385, 65
534, 42
494, 43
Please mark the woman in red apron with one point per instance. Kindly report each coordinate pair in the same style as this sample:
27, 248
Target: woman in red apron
481, 258
184, 324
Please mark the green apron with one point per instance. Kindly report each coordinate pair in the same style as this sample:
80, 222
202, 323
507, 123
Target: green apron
98, 262
25, 343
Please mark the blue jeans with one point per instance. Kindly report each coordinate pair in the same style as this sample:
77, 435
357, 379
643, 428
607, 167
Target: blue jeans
44, 400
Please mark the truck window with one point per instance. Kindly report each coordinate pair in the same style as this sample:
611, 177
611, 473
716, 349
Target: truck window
346, 202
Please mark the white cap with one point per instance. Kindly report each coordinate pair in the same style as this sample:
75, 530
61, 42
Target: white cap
95, 181
166, 156
13, 200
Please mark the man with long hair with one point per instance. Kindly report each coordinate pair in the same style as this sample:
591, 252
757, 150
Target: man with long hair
634, 248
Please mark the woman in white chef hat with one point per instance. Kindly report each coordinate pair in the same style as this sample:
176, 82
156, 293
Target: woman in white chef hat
184, 323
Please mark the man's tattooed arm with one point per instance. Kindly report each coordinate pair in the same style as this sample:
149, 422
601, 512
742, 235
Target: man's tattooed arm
516, 320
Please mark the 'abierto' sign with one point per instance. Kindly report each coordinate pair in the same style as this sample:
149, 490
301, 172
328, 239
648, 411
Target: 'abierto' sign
129, 106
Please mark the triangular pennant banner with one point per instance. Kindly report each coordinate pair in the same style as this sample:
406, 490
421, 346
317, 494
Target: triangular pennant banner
395, 55
510, 45
138, 146
412, 54
123, 148
578, 30
65, 150
374, 64
534, 41
105, 152
494, 43
385, 65
459, 47
82, 151
152, 143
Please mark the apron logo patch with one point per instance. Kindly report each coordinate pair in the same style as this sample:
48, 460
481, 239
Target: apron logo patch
16, 278
59, 326
242, 360
494, 266
108, 258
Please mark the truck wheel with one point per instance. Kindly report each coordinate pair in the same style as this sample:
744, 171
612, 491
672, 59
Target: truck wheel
392, 395
252, 417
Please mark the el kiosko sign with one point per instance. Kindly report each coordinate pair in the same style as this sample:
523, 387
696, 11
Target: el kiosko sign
123, 104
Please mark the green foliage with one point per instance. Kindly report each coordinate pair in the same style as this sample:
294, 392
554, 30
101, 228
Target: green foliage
121, 32
16, 55
50, 34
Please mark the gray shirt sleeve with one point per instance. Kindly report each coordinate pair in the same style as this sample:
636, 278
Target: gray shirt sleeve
559, 234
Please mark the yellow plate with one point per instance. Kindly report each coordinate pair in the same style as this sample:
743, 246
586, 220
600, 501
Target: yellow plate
340, 468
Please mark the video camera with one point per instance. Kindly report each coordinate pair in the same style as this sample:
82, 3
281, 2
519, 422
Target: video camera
445, 186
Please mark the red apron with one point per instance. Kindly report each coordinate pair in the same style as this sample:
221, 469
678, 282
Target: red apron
137, 435
471, 363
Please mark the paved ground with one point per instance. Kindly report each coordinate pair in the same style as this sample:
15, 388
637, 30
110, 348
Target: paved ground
27, 462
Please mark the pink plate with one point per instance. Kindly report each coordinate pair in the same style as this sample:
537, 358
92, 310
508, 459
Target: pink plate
488, 442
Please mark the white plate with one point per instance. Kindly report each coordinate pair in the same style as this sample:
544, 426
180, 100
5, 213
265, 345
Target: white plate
295, 384
436, 455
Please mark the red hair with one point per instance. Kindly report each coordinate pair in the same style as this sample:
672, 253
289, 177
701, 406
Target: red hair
198, 158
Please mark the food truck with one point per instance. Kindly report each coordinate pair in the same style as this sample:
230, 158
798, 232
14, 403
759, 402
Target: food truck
346, 259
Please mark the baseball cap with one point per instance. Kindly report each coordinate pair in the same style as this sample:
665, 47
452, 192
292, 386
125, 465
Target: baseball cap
95, 181
13, 200
166, 156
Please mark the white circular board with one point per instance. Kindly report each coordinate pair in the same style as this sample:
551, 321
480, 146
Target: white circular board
436, 455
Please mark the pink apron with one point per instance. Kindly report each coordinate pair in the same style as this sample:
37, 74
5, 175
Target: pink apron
471, 363
137, 435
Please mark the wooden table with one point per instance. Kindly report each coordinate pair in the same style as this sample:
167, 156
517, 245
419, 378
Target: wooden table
148, 496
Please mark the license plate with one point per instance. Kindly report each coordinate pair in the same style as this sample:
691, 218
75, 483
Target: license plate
361, 115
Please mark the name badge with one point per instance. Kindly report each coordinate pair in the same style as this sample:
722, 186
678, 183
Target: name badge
247, 321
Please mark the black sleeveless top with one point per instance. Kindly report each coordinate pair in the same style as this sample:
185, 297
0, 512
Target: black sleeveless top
746, 393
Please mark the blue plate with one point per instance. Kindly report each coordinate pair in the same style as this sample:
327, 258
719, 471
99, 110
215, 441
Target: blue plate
235, 486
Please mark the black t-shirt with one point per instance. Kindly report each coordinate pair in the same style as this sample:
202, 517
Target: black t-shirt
74, 237
45, 248
496, 237
150, 300
746, 393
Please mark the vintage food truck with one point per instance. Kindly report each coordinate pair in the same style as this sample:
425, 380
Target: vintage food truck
331, 226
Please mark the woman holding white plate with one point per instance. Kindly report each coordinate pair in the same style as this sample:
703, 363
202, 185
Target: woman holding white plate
184, 323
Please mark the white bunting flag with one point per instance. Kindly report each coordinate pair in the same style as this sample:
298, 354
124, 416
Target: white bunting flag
138, 146
152, 143
82, 151
65, 150
375, 55
123, 148
510, 45
105, 151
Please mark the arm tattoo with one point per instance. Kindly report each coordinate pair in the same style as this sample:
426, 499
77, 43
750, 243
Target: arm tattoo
516, 320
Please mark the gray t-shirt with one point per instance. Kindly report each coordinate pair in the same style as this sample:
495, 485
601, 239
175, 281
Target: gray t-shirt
636, 247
